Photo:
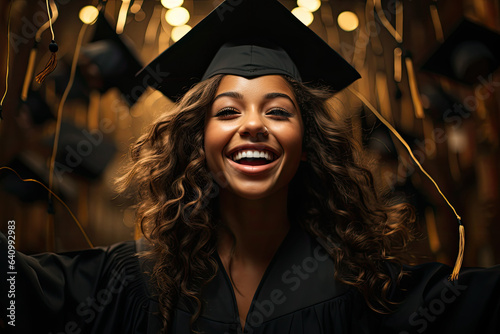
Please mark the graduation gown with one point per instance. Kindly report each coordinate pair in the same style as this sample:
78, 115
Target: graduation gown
106, 290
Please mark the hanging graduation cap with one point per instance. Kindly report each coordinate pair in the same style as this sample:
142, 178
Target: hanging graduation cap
36, 109
61, 75
440, 105
109, 61
30, 165
381, 142
82, 152
250, 39
471, 51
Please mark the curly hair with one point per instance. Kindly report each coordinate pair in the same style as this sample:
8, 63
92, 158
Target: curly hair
333, 197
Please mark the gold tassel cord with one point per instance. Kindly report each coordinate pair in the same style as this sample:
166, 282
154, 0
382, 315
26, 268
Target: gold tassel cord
87, 239
53, 48
60, 110
8, 62
63, 101
461, 249
461, 230
31, 62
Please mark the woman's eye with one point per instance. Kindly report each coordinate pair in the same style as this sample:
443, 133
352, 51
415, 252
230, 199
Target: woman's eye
280, 113
226, 112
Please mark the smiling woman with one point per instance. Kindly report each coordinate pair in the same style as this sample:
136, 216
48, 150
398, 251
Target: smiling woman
250, 118
257, 213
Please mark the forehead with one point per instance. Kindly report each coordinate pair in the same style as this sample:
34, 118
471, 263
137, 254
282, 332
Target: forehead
260, 85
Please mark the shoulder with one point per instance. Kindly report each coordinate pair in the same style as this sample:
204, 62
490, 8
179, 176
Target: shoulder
426, 299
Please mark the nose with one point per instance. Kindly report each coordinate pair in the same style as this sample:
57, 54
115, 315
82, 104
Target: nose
253, 125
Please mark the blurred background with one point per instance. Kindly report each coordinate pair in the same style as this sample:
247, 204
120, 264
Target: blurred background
430, 67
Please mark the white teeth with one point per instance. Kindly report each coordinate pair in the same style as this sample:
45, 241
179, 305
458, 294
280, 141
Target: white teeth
252, 154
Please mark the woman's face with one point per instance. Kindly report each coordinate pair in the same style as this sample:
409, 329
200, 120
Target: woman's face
253, 136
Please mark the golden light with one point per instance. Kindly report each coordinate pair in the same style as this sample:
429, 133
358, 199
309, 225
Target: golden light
303, 15
88, 14
310, 5
177, 16
348, 21
135, 8
171, 3
179, 32
122, 16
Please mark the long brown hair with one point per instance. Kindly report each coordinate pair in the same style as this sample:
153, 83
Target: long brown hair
336, 200
333, 196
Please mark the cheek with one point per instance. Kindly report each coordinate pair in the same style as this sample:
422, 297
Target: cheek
214, 143
291, 139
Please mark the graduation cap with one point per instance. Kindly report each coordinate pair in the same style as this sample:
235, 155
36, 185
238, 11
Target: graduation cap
380, 141
109, 61
440, 105
470, 51
83, 152
36, 109
79, 90
250, 39
30, 165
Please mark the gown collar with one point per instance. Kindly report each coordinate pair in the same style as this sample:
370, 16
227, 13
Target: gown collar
299, 275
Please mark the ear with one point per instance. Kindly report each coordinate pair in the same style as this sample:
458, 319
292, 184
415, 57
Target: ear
303, 156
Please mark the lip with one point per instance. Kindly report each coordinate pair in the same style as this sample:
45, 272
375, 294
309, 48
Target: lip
252, 170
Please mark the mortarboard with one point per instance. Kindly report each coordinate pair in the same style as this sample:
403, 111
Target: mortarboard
36, 109
83, 152
248, 38
30, 165
440, 105
79, 89
469, 52
109, 61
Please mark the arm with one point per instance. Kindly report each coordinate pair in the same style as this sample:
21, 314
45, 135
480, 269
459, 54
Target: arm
430, 303
76, 292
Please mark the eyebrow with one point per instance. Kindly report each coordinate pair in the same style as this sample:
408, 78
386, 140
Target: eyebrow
234, 95
268, 96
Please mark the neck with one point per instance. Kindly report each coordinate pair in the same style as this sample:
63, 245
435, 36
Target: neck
258, 226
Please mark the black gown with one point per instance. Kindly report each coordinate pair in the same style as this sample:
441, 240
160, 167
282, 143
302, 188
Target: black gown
105, 290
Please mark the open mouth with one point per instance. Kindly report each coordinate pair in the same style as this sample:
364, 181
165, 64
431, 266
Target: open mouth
253, 157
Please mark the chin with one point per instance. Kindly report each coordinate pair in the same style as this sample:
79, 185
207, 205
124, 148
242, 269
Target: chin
255, 192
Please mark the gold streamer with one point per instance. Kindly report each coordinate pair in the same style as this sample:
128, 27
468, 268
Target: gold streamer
461, 230
53, 48
34, 51
58, 198
8, 62
63, 100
